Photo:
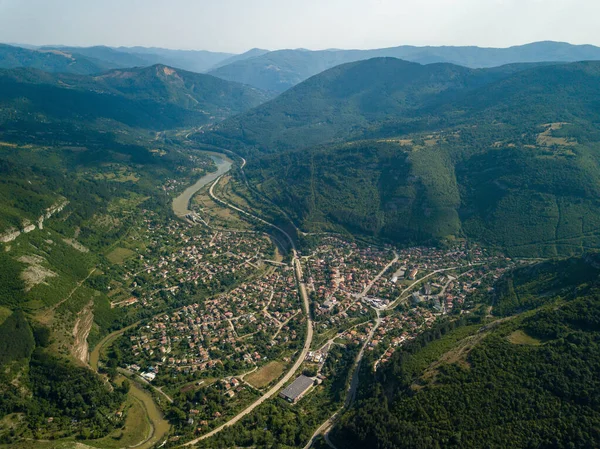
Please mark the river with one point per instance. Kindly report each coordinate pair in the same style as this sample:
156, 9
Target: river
182, 202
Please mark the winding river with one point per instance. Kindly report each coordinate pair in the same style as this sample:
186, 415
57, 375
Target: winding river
182, 202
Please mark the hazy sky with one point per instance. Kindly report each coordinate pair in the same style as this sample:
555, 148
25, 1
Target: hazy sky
237, 25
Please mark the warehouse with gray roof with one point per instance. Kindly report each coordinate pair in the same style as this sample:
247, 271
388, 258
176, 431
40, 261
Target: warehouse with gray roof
298, 388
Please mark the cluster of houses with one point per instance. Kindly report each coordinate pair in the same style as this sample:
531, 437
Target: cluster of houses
176, 255
201, 335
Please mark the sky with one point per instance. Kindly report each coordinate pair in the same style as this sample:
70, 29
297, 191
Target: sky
238, 25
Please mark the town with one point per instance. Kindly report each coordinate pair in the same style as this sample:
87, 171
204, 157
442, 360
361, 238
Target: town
240, 323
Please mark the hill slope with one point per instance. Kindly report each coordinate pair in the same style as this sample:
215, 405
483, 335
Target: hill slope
282, 69
428, 152
352, 97
156, 97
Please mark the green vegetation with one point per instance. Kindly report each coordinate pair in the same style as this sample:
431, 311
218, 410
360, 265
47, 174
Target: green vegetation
16, 339
65, 399
422, 153
523, 381
97, 59
156, 97
266, 374
50, 61
276, 423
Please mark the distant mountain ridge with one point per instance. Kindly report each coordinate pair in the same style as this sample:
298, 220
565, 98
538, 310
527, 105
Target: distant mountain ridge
156, 97
50, 61
279, 70
97, 59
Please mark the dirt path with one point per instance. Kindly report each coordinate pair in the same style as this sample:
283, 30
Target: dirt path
79, 284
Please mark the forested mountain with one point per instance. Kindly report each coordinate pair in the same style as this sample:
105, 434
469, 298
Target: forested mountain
525, 380
80, 156
97, 59
352, 97
50, 60
282, 69
156, 97
191, 60
508, 156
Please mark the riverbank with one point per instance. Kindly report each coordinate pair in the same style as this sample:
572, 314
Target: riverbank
182, 202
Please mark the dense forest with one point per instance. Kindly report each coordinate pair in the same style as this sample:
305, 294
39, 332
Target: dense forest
413, 153
527, 380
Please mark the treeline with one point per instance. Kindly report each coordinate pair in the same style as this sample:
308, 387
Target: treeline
16, 339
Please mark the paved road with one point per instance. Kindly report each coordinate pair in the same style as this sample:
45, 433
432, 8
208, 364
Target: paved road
309, 326
326, 427
350, 393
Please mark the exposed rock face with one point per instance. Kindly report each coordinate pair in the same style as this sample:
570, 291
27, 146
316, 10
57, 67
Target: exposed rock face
10, 235
56, 208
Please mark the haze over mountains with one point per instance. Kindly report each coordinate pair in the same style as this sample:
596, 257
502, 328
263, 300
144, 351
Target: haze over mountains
282, 69
279, 70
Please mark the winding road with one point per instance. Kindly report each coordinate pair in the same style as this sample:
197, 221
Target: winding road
309, 325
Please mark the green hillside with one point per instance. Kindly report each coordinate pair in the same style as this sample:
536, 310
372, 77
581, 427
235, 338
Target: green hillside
506, 156
351, 98
156, 97
80, 157
527, 380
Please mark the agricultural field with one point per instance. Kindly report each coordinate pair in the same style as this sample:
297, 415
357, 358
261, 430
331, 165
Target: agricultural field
265, 375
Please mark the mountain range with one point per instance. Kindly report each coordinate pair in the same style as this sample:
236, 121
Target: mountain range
282, 69
156, 97
278, 70
449, 145
412, 152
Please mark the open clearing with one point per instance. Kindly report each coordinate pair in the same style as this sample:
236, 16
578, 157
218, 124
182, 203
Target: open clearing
35, 273
119, 255
216, 214
521, 338
265, 375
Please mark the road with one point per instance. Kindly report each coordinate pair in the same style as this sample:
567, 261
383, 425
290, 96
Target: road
326, 427
309, 326
350, 393
376, 278
182, 202
418, 281
137, 378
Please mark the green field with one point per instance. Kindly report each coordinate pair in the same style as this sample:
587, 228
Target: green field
119, 255
265, 375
